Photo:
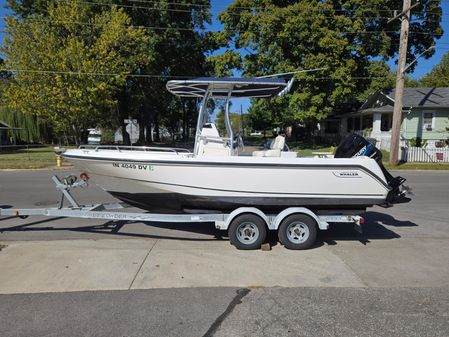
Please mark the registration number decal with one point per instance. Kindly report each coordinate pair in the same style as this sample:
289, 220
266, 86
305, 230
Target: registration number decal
144, 167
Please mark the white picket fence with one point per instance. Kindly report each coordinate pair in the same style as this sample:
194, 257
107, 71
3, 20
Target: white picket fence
425, 155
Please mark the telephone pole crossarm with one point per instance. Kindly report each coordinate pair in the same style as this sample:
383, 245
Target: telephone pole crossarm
403, 13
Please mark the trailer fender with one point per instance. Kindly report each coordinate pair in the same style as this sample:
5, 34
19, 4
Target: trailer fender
298, 210
224, 225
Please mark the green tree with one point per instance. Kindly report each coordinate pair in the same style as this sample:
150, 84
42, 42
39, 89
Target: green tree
439, 75
178, 45
68, 74
344, 37
222, 65
181, 45
234, 117
31, 128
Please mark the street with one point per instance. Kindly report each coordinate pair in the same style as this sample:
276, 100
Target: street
70, 277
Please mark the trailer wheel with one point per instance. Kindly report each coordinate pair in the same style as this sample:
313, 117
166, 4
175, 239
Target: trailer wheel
298, 231
247, 231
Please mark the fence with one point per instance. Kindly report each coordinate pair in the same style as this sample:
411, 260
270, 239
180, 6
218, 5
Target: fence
425, 155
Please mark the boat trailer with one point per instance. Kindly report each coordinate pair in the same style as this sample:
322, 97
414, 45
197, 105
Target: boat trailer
247, 226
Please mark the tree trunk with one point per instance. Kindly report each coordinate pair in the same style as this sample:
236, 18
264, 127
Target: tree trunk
125, 135
184, 120
76, 135
148, 139
157, 137
141, 140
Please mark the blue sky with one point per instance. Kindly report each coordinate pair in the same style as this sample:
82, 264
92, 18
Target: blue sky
424, 65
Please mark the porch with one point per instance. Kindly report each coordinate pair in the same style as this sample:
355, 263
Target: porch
367, 123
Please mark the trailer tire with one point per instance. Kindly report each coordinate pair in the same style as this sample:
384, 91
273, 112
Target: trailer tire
247, 231
297, 231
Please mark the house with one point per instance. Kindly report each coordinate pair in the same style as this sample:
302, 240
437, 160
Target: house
425, 116
8, 134
4, 133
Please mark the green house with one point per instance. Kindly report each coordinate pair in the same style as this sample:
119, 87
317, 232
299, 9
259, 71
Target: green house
425, 118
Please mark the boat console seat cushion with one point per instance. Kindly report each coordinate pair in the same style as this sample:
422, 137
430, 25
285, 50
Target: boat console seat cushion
275, 148
215, 152
278, 143
267, 153
215, 146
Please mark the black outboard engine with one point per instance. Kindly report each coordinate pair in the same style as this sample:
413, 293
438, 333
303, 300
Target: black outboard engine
355, 145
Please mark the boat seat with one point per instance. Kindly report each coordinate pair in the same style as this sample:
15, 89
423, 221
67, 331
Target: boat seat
211, 144
275, 150
215, 152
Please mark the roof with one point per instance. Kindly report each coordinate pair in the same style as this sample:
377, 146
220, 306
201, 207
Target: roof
385, 108
3, 125
220, 87
422, 97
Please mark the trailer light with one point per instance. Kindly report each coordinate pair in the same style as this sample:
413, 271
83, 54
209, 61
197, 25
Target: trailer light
84, 176
362, 221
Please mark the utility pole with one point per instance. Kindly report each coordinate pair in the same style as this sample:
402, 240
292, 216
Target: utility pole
400, 78
241, 120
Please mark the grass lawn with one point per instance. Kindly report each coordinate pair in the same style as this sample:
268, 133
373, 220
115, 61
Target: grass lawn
33, 158
44, 157
419, 166
306, 150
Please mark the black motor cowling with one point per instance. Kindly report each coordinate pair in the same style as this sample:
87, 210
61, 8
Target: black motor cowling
355, 145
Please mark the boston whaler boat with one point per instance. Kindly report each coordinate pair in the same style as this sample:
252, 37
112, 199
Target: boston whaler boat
213, 178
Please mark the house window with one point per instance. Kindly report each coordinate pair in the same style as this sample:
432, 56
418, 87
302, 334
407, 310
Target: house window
356, 123
367, 122
385, 122
332, 127
350, 124
428, 121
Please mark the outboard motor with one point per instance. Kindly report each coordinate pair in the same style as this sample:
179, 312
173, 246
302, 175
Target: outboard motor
355, 145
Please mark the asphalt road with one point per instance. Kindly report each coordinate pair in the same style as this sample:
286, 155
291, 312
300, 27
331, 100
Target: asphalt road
401, 261
299, 312
426, 216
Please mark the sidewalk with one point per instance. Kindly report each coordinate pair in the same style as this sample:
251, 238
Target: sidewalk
77, 265
111, 264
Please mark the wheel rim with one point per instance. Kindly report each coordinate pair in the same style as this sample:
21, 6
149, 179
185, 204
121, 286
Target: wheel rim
247, 233
298, 232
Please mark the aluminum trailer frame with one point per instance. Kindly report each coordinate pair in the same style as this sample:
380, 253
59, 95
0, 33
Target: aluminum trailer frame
110, 211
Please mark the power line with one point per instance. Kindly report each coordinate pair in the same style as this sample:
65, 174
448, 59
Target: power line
57, 72
196, 29
264, 8
175, 4
77, 73
125, 26
135, 7
208, 7
201, 5
229, 12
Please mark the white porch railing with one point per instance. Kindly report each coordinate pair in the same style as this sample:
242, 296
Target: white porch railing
425, 155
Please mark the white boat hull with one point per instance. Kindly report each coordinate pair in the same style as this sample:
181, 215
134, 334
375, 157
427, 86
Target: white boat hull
179, 183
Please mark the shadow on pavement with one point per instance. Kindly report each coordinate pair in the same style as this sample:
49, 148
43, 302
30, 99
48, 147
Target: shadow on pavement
373, 229
114, 227
5, 206
386, 219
